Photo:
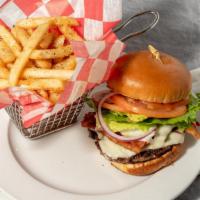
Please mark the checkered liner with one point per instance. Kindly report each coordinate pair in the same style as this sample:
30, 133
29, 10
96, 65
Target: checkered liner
94, 61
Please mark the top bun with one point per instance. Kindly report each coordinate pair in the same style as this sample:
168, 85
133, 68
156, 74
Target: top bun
140, 75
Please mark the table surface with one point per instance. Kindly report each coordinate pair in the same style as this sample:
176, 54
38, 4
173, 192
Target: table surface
177, 33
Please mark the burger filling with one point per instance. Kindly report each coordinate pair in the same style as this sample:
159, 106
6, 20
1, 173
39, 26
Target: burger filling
130, 130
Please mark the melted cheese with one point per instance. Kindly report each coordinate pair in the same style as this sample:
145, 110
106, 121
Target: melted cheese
113, 150
164, 137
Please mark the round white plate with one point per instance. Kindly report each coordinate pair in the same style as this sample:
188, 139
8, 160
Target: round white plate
68, 165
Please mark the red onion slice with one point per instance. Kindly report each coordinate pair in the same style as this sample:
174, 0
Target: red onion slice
107, 129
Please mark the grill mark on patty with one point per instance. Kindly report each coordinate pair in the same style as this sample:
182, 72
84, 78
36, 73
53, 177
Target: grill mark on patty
143, 156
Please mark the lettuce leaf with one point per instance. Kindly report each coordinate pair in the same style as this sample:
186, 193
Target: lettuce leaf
182, 121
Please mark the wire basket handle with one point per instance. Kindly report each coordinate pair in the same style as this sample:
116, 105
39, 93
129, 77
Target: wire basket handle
132, 18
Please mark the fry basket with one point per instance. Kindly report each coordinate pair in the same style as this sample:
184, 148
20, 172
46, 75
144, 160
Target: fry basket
69, 115
60, 120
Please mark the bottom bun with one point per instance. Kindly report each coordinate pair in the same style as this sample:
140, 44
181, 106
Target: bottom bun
149, 167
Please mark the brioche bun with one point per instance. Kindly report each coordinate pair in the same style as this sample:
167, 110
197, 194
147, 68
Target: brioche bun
149, 167
140, 75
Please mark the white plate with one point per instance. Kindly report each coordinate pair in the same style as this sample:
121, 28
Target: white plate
68, 165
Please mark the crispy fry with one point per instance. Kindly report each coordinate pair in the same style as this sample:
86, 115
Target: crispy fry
4, 83
30, 31
4, 72
59, 41
34, 22
2, 64
9, 40
52, 53
47, 73
21, 61
69, 33
54, 97
6, 55
13, 31
21, 35
9, 65
68, 63
42, 84
194, 132
47, 40
43, 93
45, 64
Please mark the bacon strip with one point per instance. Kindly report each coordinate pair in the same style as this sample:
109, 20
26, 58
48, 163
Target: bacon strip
194, 132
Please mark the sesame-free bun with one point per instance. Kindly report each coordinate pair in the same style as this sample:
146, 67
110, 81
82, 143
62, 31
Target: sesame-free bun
150, 167
140, 75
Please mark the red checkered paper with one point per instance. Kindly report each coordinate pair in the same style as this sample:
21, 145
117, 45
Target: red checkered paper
95, 56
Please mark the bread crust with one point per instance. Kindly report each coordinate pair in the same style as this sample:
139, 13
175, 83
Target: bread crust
149, 167
140, 76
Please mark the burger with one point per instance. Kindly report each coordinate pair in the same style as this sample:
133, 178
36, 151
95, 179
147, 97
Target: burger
139, 124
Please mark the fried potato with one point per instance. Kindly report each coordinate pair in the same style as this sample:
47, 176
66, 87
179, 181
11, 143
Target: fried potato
59, 41
52, 53
43, 93
68, 63
42, 84
35, 73
54, 97
6, 55
4, 83
34, 55
47, 40
4, 72
45, 64
21, 35
69, 33
21, 61
2, 64
8, 38
34, 22
30, 31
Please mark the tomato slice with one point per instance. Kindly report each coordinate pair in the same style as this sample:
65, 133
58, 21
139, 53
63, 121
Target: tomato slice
122, 104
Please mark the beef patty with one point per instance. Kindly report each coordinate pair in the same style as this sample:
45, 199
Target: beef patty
143, 156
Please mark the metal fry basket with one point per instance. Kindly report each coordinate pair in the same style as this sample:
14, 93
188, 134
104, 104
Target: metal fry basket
60, 120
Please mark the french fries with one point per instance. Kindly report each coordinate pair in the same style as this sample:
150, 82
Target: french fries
61, 74
6, 55
69, 33
9, 40
42, 84
35, 54
4, 72
21, 61
43, 93
34, 22
45, 64
4, 84
59, 41
68, 63
54, 96
47, 40
21, 35
52, 53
